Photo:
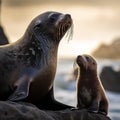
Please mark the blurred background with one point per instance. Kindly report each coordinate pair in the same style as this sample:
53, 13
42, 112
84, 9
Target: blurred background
95, 22
96, 32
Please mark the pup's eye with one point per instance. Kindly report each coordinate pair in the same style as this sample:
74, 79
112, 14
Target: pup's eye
88, 59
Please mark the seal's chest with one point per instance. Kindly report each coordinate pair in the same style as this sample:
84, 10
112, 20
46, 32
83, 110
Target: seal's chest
86, 94
41, 83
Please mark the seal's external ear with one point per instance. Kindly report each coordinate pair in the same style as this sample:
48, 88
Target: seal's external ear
38, 24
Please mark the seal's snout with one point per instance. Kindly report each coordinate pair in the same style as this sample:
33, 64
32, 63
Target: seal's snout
79, 59
68, 19
68, 16
62, 25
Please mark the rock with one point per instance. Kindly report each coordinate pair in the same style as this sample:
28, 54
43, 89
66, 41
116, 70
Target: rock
110, 79
111, 51
27, 111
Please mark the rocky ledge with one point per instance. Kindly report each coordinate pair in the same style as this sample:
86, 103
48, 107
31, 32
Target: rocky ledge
26, 111
110, 79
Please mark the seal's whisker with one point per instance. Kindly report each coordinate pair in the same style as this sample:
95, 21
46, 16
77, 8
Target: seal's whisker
62, 28
69, 33
58, 32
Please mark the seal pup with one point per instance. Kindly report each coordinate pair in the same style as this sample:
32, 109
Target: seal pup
28, 66
90, 92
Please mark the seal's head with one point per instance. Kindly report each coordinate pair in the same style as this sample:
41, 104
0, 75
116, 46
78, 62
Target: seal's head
86, 62
43, 35
52, 25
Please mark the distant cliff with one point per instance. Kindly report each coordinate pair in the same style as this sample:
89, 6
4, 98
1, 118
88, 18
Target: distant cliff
111, 51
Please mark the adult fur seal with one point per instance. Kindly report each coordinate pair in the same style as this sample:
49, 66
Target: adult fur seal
28, 66
90, 92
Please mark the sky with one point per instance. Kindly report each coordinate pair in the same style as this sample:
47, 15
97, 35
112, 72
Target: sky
82, 2
95, 21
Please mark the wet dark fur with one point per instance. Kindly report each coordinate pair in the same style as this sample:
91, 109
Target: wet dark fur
28, 66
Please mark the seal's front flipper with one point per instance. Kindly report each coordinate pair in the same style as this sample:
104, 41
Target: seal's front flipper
49, 103
94, 106
80, 103
22, 89
103, 107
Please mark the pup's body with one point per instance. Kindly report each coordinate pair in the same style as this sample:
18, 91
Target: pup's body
90, 92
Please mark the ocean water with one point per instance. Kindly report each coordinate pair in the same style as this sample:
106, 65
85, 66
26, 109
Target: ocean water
65, 90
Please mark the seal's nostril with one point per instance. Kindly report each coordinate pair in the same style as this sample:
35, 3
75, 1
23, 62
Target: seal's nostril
68, 15
79, 57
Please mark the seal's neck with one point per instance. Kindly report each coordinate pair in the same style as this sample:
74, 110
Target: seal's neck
38, 49
88, 75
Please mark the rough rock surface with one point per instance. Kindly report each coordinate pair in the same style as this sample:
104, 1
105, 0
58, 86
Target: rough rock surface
26, 111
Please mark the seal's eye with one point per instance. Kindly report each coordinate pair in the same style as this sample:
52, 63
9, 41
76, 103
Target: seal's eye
54, 17
88, 59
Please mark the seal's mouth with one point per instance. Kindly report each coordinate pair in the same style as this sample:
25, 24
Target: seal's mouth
81, 61
63, 24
